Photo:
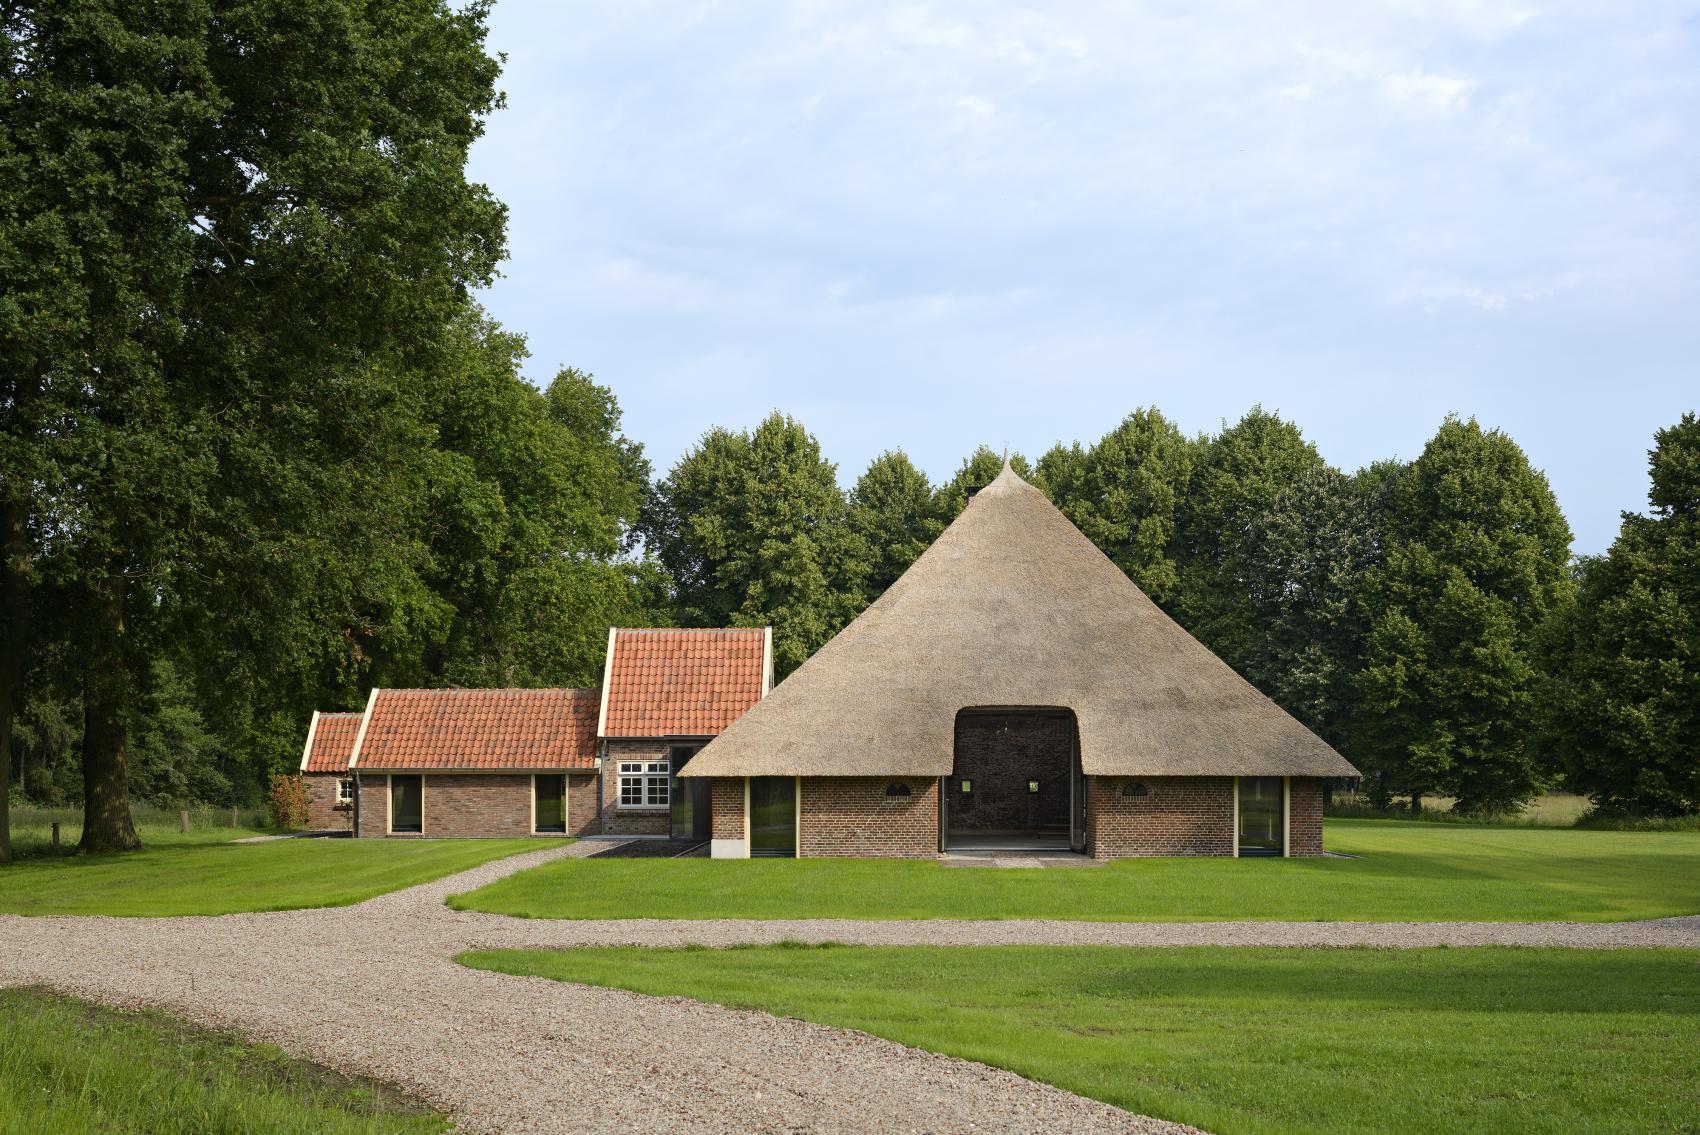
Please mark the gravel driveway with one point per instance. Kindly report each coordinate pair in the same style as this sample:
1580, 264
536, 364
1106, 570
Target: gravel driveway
372, 989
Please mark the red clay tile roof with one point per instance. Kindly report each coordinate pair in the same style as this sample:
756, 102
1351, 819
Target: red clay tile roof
330, 741
479, 729
682, 683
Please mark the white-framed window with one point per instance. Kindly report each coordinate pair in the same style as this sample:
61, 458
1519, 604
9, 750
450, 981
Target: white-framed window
345, 790
643, 784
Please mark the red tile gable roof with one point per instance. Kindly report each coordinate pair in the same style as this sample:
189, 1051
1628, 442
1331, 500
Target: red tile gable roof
682, 683
330, 742
479, 729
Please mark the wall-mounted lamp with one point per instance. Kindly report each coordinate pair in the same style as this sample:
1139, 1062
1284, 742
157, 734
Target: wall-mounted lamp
897, 788
1033, 786
1135, 788
965, 785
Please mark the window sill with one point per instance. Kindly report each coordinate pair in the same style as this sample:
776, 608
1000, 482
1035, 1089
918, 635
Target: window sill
641, 809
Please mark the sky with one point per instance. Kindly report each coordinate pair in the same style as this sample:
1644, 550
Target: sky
930, 227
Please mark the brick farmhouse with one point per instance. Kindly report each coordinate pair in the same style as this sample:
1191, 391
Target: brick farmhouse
1012, 690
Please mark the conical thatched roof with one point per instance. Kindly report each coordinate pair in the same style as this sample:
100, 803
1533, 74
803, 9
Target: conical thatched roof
1013, 607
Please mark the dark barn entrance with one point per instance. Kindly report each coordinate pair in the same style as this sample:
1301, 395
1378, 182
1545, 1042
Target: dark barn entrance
1014, 782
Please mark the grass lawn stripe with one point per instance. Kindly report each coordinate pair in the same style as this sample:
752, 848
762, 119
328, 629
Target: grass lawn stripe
73, 1068
1245, 1041
227, 878
1407, 872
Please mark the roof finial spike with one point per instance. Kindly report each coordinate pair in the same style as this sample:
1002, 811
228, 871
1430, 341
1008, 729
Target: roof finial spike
1006, 456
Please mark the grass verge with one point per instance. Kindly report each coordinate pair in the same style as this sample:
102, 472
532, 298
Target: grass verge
228, 878
1244, 1041
1420, 872
73, 1068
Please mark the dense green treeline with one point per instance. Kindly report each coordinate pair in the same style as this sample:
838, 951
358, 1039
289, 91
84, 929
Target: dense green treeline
261, 451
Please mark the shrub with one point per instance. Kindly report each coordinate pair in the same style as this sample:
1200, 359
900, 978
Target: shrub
287, 802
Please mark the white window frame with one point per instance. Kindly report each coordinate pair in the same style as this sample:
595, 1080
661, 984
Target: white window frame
344, 790
650, 780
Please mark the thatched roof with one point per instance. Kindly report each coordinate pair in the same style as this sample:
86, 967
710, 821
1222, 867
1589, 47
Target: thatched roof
1013, 607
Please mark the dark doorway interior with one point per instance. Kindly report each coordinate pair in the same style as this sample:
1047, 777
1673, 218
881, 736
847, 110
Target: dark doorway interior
689, 798
1013, 780
407, 804
773, 817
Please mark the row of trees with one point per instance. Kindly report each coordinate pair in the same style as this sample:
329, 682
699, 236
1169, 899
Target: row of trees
1405, 612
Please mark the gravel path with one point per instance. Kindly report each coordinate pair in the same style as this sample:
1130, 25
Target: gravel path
372, 989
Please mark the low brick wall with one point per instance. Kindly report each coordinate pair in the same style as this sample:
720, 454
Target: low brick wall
851, 816
1178, 815
1304, 815
324, 814
629, 821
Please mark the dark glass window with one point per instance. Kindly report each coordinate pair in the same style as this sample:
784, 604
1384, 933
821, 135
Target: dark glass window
549, 803
773, 816
407, 804
1262, 822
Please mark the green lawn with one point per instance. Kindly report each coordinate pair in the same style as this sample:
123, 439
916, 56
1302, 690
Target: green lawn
1407, 871
72, 1068
1241, 1040
224, 878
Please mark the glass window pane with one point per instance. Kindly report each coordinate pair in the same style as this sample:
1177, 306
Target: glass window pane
1260, 815
406, 804
549, 798
773, 816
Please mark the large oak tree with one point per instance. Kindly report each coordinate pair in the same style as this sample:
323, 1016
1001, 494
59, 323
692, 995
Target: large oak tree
235, 232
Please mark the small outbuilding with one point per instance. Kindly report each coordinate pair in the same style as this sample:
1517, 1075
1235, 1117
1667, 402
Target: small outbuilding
325, 779
1015, 690
476, 763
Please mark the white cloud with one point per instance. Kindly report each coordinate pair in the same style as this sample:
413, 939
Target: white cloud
1446, 94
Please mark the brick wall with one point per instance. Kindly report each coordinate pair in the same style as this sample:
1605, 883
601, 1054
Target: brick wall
324, 814
728, 807
372, 792
1000, 753
627, 821
1304, 815
584, 809
477, 804
1179, 815
852, 816
470, 805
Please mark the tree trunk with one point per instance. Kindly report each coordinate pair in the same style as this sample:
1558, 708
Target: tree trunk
14, 640
106, 772
1416, 803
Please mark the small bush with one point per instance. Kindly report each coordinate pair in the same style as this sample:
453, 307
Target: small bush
287, 802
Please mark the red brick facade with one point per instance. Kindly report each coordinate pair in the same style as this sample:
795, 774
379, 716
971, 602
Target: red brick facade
324, 814
728, 807
630, 821
1192, 815
1304, 815
851, 816
472, 805
584, 807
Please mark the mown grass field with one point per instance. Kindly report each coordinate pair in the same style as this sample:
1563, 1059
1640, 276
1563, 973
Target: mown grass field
1246, 1041
1423, 872
194, 876
72, 1068
32, 827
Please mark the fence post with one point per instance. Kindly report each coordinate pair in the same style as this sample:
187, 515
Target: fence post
235, 820
56, 835
183, 820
